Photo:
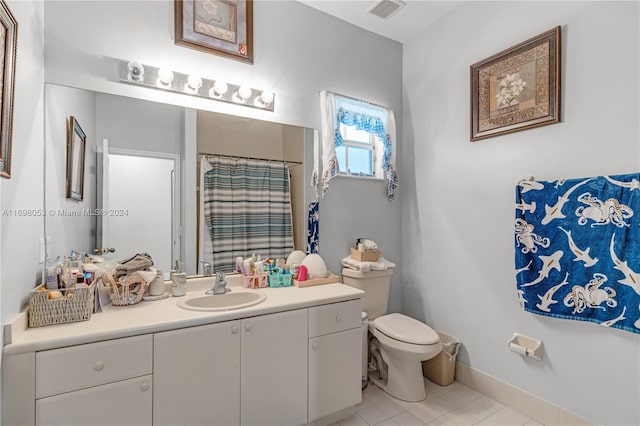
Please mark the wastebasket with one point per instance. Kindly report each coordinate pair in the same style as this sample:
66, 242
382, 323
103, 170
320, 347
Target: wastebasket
442, 368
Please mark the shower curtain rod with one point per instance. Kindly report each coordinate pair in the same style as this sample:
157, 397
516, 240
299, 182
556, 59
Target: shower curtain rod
209, 154
355, 99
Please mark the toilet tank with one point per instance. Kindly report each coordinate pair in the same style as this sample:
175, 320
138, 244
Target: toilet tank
375, 284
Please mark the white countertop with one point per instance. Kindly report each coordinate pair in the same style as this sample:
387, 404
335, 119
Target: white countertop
161, 315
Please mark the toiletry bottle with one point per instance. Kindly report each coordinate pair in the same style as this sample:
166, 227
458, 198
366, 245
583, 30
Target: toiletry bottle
179, 284
302, 273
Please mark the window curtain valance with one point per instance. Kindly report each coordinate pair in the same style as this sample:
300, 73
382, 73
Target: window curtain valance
376, 120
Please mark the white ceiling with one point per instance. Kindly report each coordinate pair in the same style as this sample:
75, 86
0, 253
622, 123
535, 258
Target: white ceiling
404, 25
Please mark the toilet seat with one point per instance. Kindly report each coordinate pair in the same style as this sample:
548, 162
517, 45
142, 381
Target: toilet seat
405, 329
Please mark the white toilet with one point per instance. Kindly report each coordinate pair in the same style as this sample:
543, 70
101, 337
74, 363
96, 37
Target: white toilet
401, 342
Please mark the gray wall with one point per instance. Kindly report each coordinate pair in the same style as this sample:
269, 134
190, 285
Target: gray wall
19, 266
69, 232
140, 125
292, 57
458, 203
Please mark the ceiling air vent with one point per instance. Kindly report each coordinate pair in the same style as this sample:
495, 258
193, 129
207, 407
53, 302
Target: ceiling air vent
385, 8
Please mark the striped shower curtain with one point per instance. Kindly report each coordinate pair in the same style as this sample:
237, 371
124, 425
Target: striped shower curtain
247, 209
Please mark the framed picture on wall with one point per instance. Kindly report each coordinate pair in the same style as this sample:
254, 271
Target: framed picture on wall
76, 146
8, 38
221, 27
518, 88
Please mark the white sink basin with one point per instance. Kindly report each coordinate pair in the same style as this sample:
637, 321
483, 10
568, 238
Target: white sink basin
235, 299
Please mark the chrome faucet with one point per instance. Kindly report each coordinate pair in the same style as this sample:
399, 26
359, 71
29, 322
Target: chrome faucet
220, 287
207, 270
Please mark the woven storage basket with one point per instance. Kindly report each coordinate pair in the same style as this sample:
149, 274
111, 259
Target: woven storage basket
254, 281
76, 304
124, 292
365, 256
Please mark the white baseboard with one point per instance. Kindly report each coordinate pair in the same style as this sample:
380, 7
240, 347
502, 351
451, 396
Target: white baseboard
540, 410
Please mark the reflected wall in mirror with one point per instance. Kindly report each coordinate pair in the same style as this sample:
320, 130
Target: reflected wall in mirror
142, 173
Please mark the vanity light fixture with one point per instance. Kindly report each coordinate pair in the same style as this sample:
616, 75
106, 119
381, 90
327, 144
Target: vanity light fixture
186, 84
165, 77
219, 88
135, 71
265, 98
194, 83
244, 93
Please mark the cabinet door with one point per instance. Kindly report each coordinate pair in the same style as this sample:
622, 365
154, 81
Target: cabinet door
334, 372
127, 402
197, 376
274, 369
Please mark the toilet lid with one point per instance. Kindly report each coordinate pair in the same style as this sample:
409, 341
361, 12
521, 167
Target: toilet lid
405, 329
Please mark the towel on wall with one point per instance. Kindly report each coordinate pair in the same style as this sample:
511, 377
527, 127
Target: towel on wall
577, 249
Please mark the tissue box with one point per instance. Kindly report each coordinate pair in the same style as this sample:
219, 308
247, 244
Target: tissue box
365, 256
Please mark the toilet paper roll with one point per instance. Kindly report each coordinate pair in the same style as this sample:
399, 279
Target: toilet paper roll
518, 349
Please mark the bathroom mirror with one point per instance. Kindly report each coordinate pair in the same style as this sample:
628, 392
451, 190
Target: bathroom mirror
142, 173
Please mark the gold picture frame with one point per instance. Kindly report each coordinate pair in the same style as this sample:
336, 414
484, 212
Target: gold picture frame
8, 46
76, 147
221, 27
518, 88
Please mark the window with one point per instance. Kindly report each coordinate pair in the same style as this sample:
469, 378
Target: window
358, 139
356, 156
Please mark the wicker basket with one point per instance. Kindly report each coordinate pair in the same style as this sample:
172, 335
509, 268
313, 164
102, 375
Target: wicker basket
126, 291
365, 256
76, 304
254, 281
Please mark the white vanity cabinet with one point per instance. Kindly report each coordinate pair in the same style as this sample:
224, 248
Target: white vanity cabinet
335, 358
197, 375
293, 360
103, 383
249, 372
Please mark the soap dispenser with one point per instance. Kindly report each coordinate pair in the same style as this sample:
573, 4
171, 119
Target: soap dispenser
178, 281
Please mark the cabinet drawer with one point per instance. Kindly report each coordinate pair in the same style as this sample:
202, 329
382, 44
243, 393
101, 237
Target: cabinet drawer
67, 369
127, 402
335, 317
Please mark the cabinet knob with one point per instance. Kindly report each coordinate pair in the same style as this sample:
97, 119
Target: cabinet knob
144, 386
235, 329
338, 318
314, 345
248, 327
98, 366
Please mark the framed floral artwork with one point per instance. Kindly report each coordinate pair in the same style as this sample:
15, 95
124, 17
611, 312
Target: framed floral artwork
8, 39
518, 88
221, 27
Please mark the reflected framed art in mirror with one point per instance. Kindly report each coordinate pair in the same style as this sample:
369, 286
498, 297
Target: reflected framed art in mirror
76, 147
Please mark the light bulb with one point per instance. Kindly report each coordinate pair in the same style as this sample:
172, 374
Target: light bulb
244, 92
219, 88
165, 76
135, 71
194, 82
266, 97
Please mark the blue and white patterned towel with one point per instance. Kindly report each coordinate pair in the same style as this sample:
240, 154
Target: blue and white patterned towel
577, 249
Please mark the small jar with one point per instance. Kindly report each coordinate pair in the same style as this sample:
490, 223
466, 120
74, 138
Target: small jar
156, 287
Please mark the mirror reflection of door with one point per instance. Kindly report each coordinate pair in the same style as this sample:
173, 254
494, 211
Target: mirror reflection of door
140, 206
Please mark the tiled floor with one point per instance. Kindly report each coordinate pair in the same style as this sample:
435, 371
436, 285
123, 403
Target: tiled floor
455, 404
